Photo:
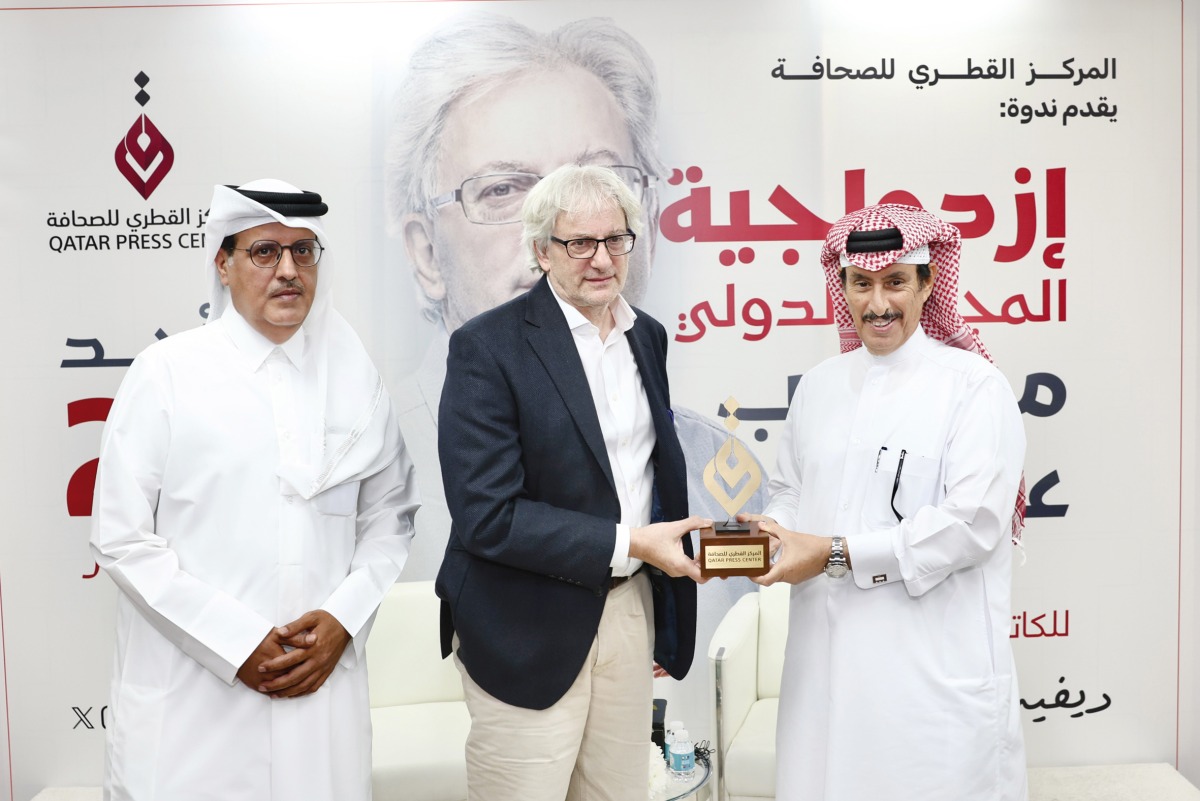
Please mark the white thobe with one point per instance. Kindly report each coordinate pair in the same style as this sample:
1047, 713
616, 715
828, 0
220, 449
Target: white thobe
898, 679
211, 548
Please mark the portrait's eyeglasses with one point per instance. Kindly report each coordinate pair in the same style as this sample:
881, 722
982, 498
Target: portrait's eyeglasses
617, 245
496, 199
265, 253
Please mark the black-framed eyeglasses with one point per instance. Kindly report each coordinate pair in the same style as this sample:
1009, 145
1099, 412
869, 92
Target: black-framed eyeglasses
617, 245
896, 483
496, 198
896, 486
265, 253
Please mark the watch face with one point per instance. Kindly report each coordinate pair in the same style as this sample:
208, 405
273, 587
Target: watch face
836, 570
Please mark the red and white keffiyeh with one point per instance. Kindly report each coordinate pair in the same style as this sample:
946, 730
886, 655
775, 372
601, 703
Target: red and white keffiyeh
939, 317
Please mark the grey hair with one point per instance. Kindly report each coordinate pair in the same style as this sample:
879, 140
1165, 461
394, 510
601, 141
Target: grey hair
573, 189
477, 52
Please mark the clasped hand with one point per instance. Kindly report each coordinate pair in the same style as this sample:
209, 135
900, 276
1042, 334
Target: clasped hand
295, 659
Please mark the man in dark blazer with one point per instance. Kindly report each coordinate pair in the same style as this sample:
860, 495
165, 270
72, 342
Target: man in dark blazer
559, 457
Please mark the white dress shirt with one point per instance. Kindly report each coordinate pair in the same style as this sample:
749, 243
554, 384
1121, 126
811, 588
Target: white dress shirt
624, 413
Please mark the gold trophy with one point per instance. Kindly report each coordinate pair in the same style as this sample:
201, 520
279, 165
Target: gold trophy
732, 477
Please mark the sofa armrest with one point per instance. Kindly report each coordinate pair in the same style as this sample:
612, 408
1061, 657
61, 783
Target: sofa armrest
733, 668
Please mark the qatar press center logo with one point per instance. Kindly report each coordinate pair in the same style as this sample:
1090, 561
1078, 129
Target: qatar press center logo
144, 156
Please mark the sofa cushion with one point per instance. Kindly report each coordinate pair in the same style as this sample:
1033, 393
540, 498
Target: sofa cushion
404, 657
418, 752
750, 763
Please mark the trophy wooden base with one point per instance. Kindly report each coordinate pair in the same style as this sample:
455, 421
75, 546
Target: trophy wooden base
734, 549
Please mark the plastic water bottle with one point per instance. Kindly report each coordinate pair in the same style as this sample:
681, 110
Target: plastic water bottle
683, 756
669, 737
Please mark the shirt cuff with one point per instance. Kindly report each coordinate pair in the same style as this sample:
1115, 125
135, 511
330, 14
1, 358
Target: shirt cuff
230, 633
620, 559
780, 515
873, 560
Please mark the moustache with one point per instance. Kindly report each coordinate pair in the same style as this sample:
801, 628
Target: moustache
887, 317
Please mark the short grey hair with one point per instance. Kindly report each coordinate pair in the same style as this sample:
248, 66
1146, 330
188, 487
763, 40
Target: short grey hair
573, 189
475, 53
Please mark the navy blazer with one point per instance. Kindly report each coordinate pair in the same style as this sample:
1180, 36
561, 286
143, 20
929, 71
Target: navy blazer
533, 503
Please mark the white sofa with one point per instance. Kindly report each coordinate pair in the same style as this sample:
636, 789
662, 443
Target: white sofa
421, 721
419, 718
745, 659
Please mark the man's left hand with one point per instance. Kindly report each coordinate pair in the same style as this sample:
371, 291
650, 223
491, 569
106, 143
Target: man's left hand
801, 556
318, 640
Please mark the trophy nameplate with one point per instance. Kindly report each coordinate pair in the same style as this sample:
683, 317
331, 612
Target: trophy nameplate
732, 478
734, 549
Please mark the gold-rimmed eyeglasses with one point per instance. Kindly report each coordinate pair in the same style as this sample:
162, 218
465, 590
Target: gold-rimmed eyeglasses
265, 253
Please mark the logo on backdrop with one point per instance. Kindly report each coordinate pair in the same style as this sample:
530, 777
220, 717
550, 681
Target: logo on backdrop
144, 156
89, 719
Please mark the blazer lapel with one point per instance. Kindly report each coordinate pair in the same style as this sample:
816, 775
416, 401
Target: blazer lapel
552, 341
648, 369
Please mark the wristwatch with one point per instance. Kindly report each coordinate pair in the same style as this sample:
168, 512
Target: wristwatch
836, 567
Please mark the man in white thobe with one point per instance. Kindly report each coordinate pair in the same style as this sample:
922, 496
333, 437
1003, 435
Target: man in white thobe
901, 463
254, 503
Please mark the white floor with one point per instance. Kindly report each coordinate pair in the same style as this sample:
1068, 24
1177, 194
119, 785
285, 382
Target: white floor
1151, 782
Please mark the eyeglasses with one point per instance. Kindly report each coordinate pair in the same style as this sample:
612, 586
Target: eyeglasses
896, 483
266, 254
896, 486
496, 199
617, 245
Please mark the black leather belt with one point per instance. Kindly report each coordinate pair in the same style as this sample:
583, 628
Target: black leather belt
617, 581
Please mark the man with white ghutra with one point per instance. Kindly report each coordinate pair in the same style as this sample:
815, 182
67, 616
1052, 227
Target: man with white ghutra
254, 504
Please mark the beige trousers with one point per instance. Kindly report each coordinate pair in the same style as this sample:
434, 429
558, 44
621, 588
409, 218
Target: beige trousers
594, 743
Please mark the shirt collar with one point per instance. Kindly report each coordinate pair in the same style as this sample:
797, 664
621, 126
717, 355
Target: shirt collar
623, 314
914, 345
255, 347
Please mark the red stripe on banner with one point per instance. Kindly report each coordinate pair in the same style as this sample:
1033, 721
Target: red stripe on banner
236, 5
1182, 362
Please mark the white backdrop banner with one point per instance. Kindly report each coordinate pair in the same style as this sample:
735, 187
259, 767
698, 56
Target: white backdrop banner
1048, 132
